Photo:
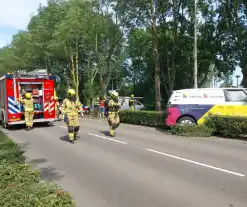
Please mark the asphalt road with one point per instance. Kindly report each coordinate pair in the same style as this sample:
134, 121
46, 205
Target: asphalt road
140, 167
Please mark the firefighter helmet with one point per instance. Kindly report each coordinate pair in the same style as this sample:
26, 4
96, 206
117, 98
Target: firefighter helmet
114, 94
28, 95
71, 92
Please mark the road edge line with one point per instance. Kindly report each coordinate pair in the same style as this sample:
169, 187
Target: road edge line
102, 137
196, 163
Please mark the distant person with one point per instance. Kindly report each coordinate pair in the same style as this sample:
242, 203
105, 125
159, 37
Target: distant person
28, 110
57, 108
70, 108
113, 113
132, 103
102, 107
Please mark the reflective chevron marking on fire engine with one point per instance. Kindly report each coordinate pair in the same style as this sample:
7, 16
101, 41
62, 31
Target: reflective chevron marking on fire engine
50, 105
12, 108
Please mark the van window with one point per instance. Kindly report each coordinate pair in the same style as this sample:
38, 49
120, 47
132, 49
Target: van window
235, 95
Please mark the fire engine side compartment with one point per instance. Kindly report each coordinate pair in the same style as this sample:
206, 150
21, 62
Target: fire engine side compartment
13, 112
3, 100
49, 102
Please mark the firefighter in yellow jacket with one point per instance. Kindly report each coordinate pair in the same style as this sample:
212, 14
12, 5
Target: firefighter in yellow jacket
28, 110
132, 103
70, 110
113, 113
57, 110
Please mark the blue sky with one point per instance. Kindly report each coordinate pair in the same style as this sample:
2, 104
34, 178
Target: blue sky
15, 15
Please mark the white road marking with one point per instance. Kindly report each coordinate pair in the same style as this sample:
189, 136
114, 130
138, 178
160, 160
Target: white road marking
172, 156
197, 163
114, 140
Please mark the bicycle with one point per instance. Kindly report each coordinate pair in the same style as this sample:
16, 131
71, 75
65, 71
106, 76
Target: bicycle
96, 112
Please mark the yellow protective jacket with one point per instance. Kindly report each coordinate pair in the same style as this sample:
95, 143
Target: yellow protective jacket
28, 104
57, 105
70, 108
132, 102
113, 106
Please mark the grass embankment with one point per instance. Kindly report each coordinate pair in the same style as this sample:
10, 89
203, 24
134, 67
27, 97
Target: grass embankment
20, 184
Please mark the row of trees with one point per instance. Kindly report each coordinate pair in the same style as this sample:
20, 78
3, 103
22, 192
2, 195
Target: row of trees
143, 47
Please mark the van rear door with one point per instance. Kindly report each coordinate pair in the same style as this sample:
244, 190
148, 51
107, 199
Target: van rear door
236, 102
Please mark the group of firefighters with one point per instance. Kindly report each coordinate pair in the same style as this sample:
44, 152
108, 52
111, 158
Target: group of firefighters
70, 108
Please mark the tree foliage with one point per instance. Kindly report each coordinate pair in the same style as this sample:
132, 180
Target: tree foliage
143, 47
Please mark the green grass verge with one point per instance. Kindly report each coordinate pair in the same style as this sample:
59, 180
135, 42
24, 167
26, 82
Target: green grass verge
20, 184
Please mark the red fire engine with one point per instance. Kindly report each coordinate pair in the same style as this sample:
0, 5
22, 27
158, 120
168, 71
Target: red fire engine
13, 86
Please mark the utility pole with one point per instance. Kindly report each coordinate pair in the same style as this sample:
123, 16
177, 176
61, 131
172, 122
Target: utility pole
195, 46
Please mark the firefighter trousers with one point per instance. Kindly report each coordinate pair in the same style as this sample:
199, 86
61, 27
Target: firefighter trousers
132, 108
73, 126
29, 118
113, 121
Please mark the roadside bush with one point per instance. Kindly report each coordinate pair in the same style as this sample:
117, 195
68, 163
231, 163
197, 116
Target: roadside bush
191, 130
227, 126
148, 118
10, 151
20, 184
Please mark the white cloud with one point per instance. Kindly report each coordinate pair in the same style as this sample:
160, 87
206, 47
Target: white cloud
16, 13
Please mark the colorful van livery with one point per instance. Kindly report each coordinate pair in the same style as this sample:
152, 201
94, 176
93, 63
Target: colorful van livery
191, 106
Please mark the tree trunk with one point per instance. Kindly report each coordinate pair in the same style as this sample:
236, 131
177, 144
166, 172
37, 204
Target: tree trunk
77, 75
244, 71
73, 71
156, 60
102, 85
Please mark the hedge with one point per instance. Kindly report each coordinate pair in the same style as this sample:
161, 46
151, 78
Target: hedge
227, 126
191, 130
148, 118
20, 184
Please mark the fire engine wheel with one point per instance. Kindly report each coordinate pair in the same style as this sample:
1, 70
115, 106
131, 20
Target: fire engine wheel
4, 125
47, 123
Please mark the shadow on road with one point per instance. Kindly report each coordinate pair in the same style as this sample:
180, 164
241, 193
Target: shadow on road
24, 146
65, 138
47, 173
106, 133
37, 161
162, 129
36, 125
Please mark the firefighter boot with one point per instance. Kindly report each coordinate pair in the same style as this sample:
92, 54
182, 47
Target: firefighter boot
28, 128
71, 138
76, 136
76, 129
112, 132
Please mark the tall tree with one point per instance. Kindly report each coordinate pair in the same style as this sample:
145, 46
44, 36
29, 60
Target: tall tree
144, 13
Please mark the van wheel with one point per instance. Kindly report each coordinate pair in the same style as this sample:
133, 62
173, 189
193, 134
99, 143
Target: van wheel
186, 120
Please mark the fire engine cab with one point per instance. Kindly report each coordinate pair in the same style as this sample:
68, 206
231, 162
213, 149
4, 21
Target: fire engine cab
13, 86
